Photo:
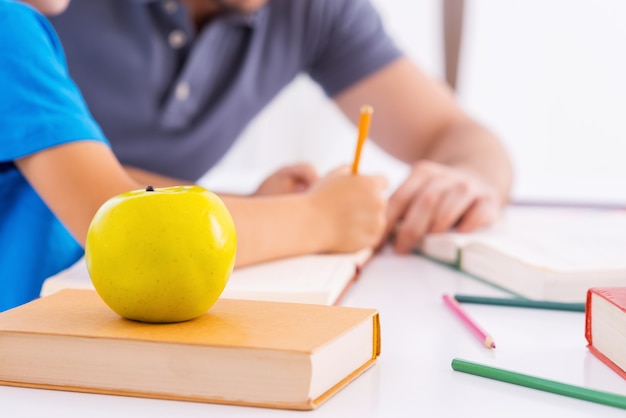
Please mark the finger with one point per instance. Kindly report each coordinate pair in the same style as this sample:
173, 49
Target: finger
380, 182
303, 173
339, 171
421, 173
287, 179
452, 206
401, 199
419, 215
481, 213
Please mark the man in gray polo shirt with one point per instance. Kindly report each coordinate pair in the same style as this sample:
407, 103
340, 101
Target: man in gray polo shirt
174, 82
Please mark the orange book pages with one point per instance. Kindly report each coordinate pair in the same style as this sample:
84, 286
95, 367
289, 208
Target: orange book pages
605, 326
271, 354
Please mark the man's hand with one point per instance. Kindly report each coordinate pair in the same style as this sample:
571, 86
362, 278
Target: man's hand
435, 198
295, 178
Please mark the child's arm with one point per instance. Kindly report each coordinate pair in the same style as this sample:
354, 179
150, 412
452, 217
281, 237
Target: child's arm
340, 213
74, 179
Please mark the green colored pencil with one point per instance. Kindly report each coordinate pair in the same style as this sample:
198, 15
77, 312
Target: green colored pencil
605, 398
521, 303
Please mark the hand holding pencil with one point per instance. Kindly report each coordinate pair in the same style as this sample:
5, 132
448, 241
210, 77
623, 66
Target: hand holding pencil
352, 205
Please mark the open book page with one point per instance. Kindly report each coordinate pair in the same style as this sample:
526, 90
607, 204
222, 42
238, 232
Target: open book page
319, 279
543, 253
74, 277
447, 246
553, 238
559, 254
562, 239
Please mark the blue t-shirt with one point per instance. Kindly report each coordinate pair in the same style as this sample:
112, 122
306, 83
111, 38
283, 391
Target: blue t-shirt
193, 92
40, 107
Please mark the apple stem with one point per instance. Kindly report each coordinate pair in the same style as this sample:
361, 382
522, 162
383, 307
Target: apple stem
149, 189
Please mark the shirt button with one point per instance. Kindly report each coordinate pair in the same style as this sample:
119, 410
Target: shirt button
177, 39
182, 91
170, 6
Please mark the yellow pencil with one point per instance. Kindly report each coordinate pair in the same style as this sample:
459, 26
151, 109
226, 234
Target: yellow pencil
364, 127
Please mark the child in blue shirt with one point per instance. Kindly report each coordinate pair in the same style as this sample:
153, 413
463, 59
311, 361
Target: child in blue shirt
40, 109
56, 169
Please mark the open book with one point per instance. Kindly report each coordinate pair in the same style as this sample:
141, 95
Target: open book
320, 279
541, 253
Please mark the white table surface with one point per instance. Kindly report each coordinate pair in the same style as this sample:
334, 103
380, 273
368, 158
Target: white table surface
412, 377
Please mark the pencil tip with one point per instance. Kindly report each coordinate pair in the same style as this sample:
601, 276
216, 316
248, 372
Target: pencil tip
492, 345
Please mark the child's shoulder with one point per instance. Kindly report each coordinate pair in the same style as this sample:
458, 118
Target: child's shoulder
15, 15
21, 26
11, 9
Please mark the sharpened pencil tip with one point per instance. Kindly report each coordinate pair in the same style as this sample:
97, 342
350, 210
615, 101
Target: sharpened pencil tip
489, 343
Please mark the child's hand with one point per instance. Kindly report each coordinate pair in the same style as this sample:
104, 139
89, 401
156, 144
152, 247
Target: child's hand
351, 209
291, 179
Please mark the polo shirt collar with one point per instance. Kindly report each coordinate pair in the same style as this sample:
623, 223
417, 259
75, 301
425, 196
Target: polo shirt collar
243, 19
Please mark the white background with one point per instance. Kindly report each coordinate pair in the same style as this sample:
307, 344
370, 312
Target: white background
546, 75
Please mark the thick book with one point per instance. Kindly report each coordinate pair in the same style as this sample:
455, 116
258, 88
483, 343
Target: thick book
605, 326
318, 278
541, 253
242, 352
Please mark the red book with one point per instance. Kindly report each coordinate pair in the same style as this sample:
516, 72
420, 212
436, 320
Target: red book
605, 326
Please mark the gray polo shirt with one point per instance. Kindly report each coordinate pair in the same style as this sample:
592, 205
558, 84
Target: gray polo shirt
173, 100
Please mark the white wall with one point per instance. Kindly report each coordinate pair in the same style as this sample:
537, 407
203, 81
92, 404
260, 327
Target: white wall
546, 75
549, 76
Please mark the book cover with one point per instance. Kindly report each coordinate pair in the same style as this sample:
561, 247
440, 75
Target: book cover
243, 352
605, 326
316, 278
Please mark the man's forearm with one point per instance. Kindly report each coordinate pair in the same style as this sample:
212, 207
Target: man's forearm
468, 146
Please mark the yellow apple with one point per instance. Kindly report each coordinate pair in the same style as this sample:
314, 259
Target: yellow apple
161, 255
